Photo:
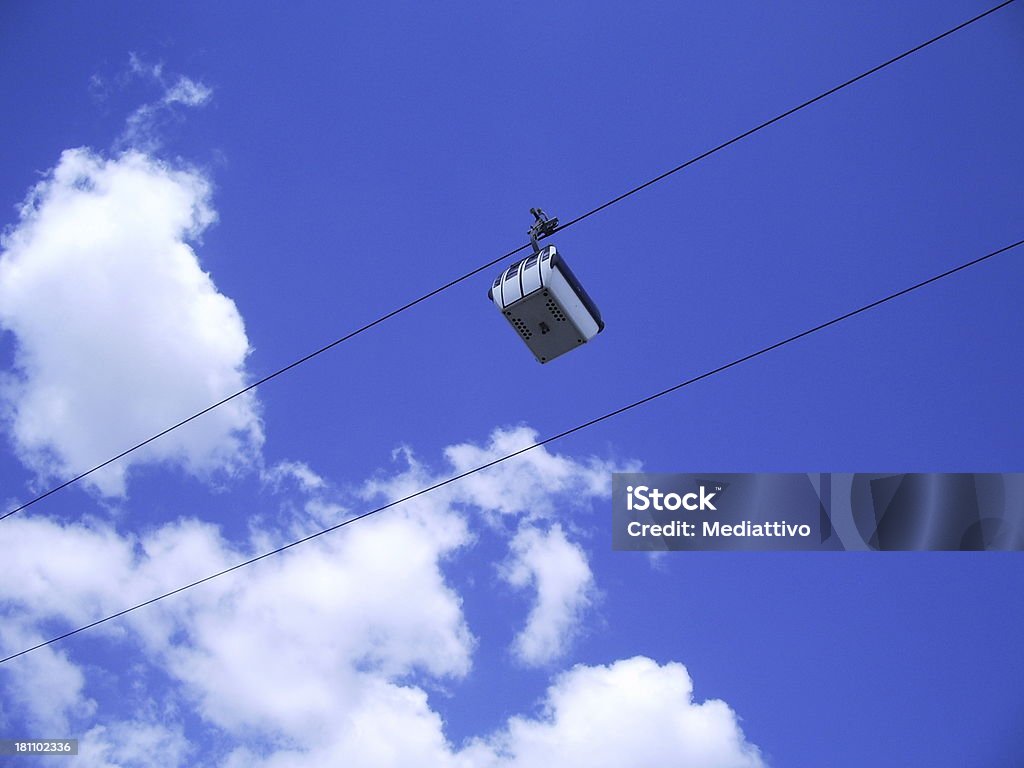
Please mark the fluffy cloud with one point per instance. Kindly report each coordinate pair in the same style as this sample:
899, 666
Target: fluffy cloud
296, 642
634, 712
336, 647
47, 690
134, 744
559, 572
326, 627
536, 484
119, 330
527, 491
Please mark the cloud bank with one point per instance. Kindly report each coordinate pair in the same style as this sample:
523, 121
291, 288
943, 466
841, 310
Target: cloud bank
339, 647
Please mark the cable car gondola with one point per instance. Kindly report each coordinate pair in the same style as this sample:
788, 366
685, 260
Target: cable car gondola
542, 299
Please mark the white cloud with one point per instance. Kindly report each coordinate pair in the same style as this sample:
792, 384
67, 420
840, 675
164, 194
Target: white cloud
61, 569
142, 126
633, 712
325, 626
390, 726
133, 744
558, 570
119, 331
188, 92
526, 490
284, 646
294, 471
332, 649
47, 690
534, 485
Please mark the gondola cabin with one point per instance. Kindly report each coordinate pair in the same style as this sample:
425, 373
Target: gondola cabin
546, 305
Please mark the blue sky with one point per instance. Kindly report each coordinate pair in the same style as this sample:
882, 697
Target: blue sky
219, 190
